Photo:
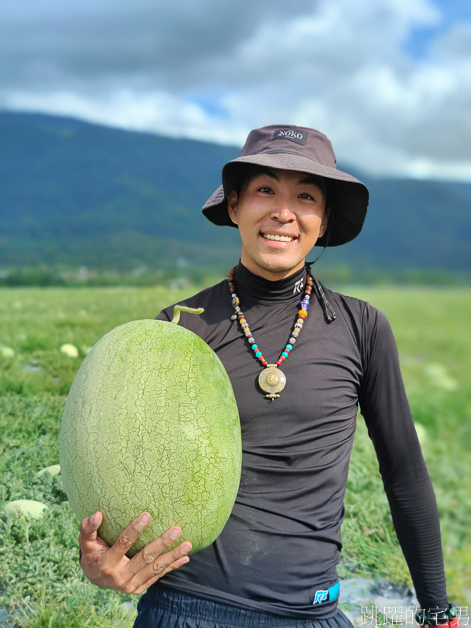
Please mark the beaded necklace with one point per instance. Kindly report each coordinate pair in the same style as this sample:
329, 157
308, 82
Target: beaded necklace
271, 380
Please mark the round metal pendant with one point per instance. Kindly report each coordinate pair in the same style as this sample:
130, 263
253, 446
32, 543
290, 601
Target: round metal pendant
272, 379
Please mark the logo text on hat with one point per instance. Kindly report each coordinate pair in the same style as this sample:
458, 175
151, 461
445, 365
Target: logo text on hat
295, 135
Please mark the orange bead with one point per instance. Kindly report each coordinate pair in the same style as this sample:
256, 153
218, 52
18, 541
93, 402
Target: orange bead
302, 313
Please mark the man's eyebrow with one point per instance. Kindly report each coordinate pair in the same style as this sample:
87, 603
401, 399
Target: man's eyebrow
306, 179
270, 173
309, 178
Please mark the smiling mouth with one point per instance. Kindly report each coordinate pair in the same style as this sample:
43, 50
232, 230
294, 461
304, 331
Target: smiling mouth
277, 238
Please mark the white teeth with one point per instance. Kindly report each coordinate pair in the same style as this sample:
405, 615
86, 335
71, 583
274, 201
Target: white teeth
277, 238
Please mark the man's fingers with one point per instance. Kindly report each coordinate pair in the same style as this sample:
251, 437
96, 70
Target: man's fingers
178, 563
90, 525
88, 529
150, 552
154, 561
128, 537
109, 567
155, 564
168, 561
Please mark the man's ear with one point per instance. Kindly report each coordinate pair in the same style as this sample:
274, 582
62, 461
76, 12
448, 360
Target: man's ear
232, 200
325, 222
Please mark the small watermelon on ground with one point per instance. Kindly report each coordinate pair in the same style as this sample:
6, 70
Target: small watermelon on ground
52, 470
26, 507
70, 350
151, 424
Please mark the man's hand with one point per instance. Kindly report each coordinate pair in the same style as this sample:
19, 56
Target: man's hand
109, 567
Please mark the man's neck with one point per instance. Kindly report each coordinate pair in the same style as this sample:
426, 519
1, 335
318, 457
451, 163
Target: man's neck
268, 273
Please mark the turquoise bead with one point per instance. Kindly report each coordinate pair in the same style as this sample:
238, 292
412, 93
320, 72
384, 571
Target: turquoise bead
254, 347
284, 354
289, 347
258, 354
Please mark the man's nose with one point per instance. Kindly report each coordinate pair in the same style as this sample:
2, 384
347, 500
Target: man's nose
283, 213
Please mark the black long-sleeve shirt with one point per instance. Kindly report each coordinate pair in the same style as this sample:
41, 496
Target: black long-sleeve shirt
282, 541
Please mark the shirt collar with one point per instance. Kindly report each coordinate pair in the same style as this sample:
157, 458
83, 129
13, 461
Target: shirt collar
251, 288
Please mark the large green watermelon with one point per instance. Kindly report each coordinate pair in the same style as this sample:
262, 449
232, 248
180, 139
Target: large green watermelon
151, 424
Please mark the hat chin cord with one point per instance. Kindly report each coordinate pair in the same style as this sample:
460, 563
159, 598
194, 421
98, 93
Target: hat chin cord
327, 308
327, 239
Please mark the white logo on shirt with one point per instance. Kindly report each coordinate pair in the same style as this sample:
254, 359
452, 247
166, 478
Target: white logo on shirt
321, 596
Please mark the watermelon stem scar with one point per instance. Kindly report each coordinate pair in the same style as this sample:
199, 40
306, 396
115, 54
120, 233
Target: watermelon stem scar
189, 310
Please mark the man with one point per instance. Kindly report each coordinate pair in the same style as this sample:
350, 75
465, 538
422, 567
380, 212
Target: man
299, 374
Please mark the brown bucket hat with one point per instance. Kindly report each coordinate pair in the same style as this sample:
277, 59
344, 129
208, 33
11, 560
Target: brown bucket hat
306, 150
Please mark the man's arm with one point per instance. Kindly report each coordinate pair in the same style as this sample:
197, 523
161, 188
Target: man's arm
110, 568
406, 480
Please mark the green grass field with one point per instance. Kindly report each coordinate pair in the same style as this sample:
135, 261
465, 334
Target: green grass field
40, 579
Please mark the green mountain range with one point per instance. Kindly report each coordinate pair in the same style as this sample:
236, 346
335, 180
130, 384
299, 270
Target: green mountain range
79, 194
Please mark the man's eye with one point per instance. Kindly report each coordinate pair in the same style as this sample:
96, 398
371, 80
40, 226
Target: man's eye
265, 190
308, 196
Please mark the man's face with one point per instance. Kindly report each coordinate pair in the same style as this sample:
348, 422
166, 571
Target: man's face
278, 204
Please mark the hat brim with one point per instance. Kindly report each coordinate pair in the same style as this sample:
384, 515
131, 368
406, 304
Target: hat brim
347, 196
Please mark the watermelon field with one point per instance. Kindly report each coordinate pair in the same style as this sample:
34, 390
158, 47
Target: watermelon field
44, 336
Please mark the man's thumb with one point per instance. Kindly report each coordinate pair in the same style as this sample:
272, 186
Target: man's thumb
93, 522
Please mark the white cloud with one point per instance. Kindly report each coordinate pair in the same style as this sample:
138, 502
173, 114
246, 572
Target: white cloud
158, 112
213, 71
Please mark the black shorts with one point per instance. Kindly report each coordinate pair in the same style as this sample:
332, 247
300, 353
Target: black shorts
165, 608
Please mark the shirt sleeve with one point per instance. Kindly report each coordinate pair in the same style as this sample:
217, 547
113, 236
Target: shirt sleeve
386, 411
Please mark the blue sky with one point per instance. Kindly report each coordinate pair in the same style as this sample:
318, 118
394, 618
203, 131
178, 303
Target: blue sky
388, 81
452, 12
